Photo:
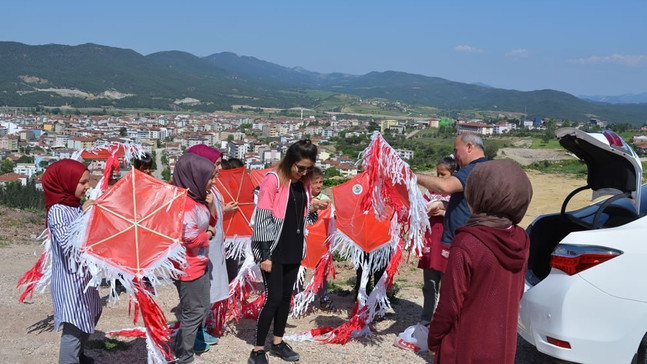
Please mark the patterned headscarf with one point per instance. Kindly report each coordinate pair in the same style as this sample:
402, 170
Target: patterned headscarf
205, 151
193, 172
60, 181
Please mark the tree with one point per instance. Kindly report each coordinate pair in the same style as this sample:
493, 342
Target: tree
123, 131
25, 159
332, 172
164, 158
7, 166
166, 174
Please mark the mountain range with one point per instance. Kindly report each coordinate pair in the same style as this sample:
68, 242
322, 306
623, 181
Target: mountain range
92, 75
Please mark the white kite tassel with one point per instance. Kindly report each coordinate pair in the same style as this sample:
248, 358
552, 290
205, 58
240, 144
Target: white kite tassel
76, 235
303, 298
301, 277
300, 337
347, 249
236, 246
361, 293
44, 281
418, 219
301, 302
155, 356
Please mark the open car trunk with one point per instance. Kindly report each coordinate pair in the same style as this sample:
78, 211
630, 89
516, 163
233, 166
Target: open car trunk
613, 169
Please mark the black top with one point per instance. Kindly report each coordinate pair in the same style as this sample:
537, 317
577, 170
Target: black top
290, 247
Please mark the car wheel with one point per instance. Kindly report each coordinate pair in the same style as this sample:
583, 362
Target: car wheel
641, 355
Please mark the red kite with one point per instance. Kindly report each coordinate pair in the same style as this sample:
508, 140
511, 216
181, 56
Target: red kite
257, 175
316, 245
358, 227
135, 231
135, 224
236, 185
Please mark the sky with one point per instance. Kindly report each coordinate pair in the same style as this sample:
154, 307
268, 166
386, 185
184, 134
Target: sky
583, 47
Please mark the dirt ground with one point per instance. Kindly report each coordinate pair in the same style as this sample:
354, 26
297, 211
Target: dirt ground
27, 333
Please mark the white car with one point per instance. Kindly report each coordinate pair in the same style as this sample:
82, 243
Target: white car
585, 296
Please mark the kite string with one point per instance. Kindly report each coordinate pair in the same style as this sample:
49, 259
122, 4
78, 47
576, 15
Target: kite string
136, 223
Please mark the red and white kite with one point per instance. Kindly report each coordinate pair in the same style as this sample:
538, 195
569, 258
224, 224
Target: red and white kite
134, 232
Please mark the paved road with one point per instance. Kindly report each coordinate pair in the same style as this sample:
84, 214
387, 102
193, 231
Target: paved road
158, 161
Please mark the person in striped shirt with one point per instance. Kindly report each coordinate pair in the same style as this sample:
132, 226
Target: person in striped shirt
76, 308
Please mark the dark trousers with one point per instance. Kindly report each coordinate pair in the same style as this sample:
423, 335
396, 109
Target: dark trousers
278, 293
233, 267
430, 289
72, 344
194, 306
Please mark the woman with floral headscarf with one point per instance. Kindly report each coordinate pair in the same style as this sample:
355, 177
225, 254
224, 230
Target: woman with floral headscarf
76, 308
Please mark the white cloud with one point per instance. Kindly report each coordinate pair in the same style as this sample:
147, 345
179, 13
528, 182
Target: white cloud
467, 49
625, 60
521, 52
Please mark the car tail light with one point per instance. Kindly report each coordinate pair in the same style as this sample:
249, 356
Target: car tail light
613, 138
573, 259
557, 342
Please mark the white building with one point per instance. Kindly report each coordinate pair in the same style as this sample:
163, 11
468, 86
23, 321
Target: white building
405, 154
237, 149
28, 169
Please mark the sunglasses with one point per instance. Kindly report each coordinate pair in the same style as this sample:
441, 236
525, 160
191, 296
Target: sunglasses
302, 169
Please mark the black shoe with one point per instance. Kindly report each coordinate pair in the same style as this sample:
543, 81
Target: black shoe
284, 351
83, 359
327, 306
257, 357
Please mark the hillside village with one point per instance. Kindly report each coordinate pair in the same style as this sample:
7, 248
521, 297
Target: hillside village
28, 143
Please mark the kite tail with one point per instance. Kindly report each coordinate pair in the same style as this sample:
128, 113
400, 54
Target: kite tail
140, 331
305, 298
386, 170
252, 309
309, 335
39, 276
217, 318
241, 287
344, 332
158, 334
417, 220
301, 278
235, 246
32, 277
133, 332
376, 304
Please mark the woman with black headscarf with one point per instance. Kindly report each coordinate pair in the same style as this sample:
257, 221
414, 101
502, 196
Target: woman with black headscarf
476, 318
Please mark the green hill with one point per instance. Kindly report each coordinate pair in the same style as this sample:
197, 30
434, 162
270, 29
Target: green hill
92, 75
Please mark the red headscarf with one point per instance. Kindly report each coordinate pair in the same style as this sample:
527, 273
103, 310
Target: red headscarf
59, 182
205, 151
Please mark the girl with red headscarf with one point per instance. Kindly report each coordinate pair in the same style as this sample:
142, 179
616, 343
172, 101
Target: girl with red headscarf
76, 308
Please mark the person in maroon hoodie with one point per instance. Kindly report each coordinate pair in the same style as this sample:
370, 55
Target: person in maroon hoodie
476, 318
